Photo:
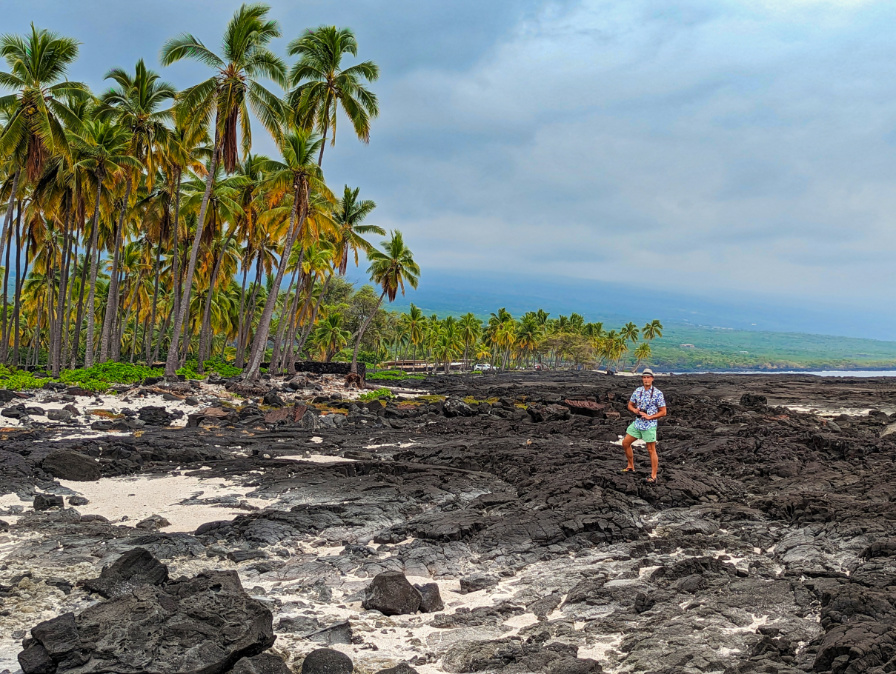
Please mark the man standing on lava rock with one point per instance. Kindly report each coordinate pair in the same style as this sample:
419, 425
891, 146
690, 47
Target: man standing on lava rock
648, 404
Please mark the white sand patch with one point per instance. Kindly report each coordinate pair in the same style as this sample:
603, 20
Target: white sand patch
400, 445
139, 497
823, 411
600, 649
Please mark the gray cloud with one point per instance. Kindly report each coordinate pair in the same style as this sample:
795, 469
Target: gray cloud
731, 144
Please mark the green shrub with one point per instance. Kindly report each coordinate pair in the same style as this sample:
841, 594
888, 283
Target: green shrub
392, 375
378, 394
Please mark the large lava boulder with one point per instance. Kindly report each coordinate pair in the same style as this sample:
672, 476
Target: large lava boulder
135, 567
205, 624
72, 466
327, 661
391, 593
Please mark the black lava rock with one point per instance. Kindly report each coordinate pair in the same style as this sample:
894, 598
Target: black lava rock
72, 466
326, 661
391, 593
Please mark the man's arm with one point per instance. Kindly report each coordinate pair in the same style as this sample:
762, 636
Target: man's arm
634, 409
660, 413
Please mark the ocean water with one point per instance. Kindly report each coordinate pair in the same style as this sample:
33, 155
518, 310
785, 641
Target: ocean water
819, 373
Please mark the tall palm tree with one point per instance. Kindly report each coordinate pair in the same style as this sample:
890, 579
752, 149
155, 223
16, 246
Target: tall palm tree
135, 103
103, 147
470, 328
227, 97
322, 86
35, 113
349, 216
652, 330
391, 269
642, 353
296, 176
629, 332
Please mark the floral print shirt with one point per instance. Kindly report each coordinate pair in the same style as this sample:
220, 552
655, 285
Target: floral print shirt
647, 401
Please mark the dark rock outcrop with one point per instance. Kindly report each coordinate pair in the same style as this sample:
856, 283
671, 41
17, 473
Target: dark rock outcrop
391, 593
205, 624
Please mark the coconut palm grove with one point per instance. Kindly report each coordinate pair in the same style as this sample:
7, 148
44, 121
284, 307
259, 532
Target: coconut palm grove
140, 228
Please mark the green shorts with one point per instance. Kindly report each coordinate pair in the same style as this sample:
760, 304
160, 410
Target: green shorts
647, 435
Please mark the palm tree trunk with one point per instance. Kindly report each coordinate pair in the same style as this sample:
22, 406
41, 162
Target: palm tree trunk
206, 314
147, 336
61, 328
259, 344
175, 236
163, 330
294, 331
20, 281
171, 362
239, 329
7, 324
12, 202
94, 260
361, 332
80, 312
308, 328
250, 314
287, 360
286, 315
112, 299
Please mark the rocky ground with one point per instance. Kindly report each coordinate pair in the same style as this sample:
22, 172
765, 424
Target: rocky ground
481, 524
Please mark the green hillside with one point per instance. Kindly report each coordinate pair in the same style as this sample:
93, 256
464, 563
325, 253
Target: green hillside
724, 349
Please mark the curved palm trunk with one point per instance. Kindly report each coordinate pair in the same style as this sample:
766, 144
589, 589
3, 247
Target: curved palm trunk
259, 344
361, 332
7, 324
112, 299
12, 202
19, 281
171, 363
91, 296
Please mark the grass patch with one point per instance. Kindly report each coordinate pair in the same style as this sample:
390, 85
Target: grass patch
378, 394
430, 398
471, 400
393, 375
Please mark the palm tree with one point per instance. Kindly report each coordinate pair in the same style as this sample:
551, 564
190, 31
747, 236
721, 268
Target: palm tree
331, 336
226, 97
652, 330
135, 104
37, 68
629, 332
296, 176
349, 216
470, 328
390, 268
641, 353
322, 86
103, 147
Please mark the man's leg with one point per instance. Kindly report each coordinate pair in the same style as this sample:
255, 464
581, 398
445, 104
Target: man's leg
654, 460
629, 454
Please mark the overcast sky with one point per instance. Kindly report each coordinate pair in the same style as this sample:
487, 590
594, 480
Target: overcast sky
701, 146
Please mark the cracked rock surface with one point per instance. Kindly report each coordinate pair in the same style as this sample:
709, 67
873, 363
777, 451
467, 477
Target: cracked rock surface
495, 508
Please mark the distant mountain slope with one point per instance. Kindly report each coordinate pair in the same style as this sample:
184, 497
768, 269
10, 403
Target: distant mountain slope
450, 293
